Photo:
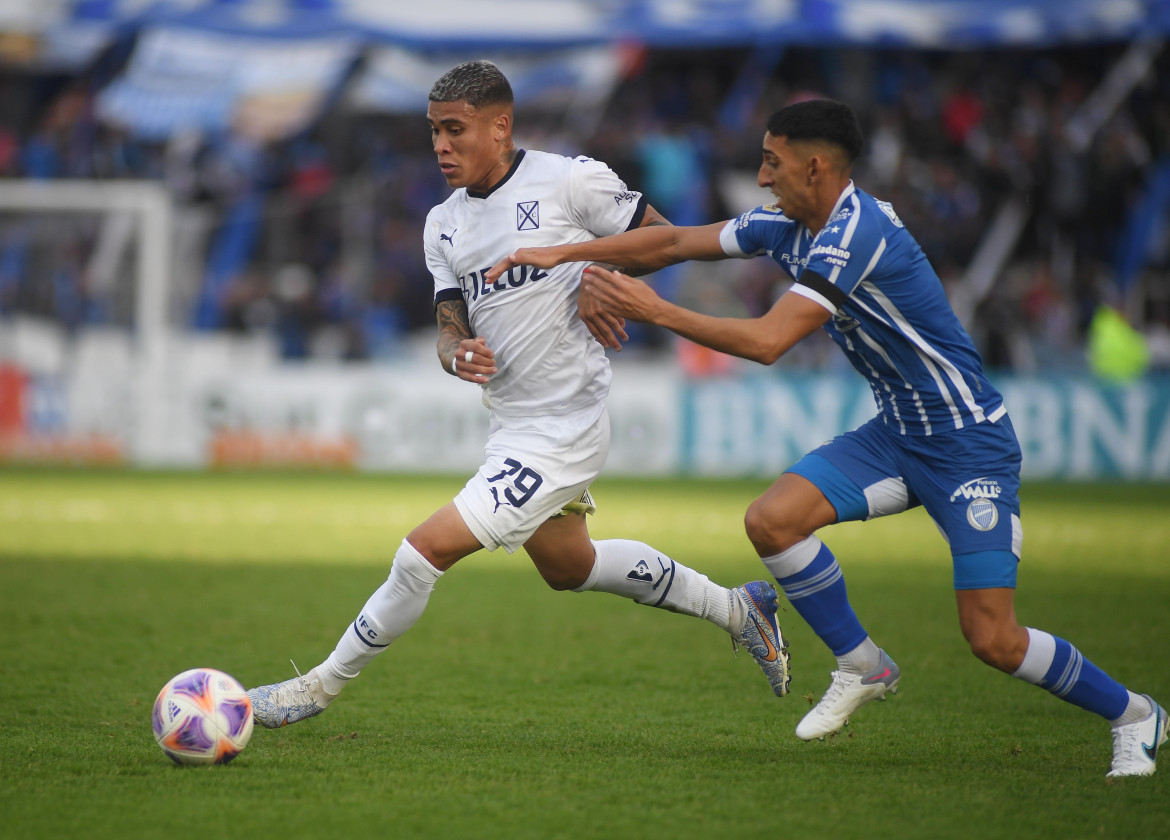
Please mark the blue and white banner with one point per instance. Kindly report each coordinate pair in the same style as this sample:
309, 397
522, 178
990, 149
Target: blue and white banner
396, 79
506, 24
233, 50
183, 79
34, 27
63, 35
946, 24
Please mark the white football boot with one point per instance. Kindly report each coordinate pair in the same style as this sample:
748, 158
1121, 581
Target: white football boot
290, 701
1135, 746
848, 693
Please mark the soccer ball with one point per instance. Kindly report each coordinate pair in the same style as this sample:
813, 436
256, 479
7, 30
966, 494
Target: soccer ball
202, 716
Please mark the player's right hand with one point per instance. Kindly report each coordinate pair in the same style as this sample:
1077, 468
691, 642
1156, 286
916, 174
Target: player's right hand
620, 295
607, 328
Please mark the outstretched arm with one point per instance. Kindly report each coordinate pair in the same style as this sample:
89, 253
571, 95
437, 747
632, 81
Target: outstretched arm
764, 339
650, 247
608, 329
460, 352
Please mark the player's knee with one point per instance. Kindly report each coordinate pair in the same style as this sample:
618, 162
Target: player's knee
768, 529
985, 650
562, 580
998, 647
563, 585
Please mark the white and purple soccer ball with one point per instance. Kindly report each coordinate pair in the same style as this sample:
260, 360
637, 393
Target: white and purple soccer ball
202, 716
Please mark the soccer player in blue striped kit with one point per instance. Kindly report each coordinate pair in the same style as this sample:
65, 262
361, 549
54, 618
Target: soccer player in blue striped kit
941, 438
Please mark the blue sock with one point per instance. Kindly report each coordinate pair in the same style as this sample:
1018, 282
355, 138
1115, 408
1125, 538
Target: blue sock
1055, 665
817, 591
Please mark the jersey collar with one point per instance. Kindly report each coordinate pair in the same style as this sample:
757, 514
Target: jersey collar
511, 171
845, 193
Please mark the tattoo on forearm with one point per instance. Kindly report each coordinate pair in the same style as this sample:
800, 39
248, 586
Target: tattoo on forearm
453, 327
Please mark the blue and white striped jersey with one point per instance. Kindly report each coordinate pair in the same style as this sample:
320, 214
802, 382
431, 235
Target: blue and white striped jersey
890, 314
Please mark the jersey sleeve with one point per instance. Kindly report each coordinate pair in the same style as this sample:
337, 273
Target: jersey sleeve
754, 233
446, 283
600, 199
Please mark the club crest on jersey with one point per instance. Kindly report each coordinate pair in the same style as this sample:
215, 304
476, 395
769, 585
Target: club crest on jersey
888, 209
527, 215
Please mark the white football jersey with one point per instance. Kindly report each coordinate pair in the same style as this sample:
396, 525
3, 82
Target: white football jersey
548, 362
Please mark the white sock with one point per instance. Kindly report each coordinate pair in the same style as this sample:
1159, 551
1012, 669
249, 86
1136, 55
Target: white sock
1037, 658
862, 659
635, 570
1139, 708
794, 559
392, 610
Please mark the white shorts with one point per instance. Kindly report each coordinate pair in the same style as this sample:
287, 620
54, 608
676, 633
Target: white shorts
533, 468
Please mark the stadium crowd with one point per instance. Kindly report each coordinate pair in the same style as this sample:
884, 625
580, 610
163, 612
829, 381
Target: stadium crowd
317, 239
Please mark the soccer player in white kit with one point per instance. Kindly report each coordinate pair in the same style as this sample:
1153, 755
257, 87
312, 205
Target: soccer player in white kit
544, 381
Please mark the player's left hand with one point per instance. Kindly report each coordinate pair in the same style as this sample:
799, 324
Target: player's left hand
621, 296
474, 361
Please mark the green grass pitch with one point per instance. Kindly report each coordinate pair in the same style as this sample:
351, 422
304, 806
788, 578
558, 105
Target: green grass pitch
510, 711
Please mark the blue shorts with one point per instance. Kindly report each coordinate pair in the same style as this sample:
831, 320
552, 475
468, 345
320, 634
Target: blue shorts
967, 479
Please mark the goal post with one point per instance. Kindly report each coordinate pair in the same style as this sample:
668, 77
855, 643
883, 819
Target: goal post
149, 205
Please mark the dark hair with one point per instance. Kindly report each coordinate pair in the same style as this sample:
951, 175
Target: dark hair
820, 119
478, 83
